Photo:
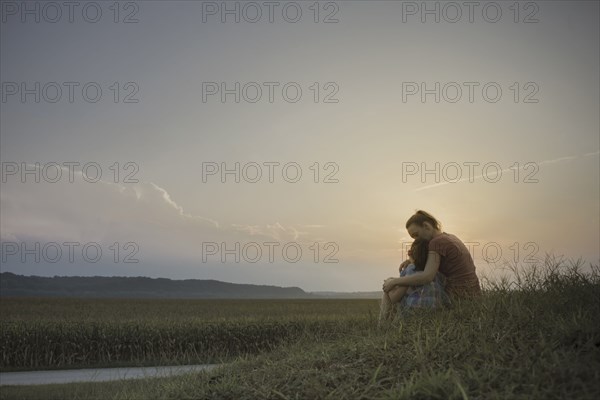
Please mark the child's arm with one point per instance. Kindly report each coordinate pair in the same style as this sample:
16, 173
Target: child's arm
431, 268
405, 264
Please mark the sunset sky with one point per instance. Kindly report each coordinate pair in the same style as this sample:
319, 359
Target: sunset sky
369, 135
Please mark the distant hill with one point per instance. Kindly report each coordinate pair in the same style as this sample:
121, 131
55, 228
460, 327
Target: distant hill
143, 287
138, 287
349, 295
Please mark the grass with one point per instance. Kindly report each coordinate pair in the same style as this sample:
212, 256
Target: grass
537, 337
55, 333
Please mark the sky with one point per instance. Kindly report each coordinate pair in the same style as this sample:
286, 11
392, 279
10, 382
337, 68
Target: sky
350, 116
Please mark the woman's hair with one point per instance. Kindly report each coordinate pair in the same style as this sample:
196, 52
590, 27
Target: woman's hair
418, 251
422, 216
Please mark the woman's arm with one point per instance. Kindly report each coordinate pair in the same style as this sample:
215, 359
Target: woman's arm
431, 268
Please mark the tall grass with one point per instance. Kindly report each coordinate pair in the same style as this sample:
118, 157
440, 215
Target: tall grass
533, 336
60, 333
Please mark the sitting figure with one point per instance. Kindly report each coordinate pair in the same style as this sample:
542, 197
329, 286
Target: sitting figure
430, 295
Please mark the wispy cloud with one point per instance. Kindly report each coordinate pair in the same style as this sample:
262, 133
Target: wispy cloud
274, 231
167, 198
132, 205
553, 161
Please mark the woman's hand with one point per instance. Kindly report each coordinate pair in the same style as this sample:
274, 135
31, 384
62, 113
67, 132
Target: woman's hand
389, 284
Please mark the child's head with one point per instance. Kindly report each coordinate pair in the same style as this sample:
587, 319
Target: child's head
418, 251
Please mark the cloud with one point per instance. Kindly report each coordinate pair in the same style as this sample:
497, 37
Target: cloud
553, 161
113, 212
169, 201
275, 232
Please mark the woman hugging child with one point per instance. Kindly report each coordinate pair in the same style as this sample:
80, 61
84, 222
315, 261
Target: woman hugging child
430, 295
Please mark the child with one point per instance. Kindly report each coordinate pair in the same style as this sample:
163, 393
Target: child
430, 295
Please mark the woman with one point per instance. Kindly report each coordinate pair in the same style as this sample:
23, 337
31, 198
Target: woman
447, 254
429, 295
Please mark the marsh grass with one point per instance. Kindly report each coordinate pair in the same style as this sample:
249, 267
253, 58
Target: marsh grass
535, 336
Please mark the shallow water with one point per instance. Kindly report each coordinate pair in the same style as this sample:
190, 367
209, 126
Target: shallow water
96, 374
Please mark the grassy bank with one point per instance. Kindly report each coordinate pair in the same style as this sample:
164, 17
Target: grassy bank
541, 341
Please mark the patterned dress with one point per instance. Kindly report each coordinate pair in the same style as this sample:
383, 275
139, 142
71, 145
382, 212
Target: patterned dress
430, 295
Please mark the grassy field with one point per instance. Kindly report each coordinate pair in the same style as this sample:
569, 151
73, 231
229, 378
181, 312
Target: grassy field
49, 333
538, 340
